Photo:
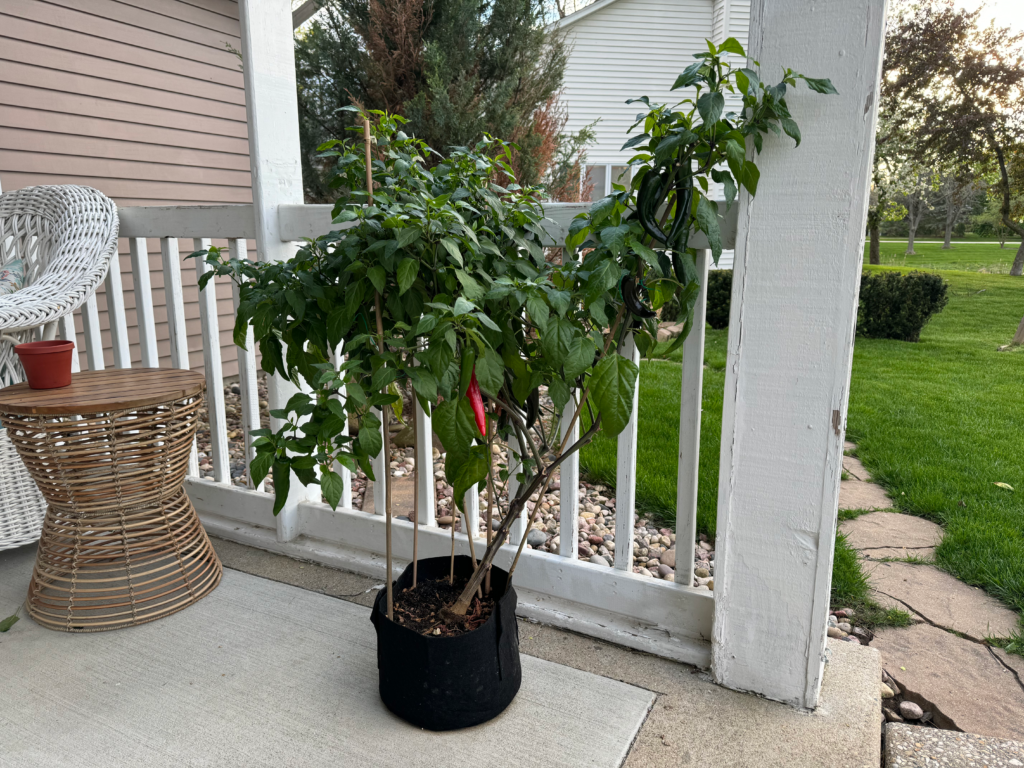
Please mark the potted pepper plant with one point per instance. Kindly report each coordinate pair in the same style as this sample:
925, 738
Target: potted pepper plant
439, 282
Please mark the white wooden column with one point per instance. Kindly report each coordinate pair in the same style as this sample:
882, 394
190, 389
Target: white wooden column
625, 473
794, 303
268, 65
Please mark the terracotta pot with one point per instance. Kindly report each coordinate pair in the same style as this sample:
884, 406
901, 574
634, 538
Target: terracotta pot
47, 364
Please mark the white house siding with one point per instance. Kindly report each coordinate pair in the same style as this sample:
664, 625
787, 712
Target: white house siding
140, 99
624, 49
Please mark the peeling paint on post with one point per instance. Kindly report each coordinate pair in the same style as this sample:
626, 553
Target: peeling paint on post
796, 278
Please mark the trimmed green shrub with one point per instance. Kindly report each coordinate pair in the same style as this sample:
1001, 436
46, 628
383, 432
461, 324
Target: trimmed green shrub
719, 298
719, 293
897, 306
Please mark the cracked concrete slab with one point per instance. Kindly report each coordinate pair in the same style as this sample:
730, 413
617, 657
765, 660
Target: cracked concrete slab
961, 678
940, 599
888, 534
858, 494
854, 468
911, 746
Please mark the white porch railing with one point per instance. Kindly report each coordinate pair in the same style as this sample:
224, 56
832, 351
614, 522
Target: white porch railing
666, 618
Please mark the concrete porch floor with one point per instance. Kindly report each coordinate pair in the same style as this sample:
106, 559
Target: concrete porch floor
271, 670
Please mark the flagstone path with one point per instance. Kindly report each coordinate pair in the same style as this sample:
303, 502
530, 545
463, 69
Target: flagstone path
941, 661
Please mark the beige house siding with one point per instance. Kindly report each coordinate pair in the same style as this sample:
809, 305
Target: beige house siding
140, 99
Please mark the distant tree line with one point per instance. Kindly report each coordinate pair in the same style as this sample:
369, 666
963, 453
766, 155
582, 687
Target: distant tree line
949, 152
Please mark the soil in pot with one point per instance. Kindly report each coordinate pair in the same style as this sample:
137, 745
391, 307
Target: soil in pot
47, 364
423, 609
465, 676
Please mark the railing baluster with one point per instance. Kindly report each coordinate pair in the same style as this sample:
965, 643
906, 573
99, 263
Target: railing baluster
471, 517
174, 298
381, 464
93, 337
116, 315
337, 358
425, 467
215, 408
569, 495
144, 302
689, 432
66, 326
625, 474
247, 382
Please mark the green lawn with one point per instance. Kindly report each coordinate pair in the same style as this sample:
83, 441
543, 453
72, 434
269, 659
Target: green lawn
969, 257
938, 423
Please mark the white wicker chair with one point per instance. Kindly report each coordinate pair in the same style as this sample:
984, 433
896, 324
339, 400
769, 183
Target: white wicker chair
65, 237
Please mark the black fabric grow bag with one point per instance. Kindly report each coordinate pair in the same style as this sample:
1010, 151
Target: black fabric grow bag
441, 683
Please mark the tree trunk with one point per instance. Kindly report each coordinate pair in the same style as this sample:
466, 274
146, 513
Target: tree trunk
946, 245
1018, 337
912, 232
1018, 265
875, 254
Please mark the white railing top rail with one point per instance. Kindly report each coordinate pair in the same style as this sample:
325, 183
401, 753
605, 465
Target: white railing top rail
310, 221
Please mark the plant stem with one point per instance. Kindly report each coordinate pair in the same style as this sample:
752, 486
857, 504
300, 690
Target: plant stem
490, 499
586, 392
451, 574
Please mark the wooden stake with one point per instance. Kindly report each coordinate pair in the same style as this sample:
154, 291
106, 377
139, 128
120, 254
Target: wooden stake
415, 490
385, 421
490, 500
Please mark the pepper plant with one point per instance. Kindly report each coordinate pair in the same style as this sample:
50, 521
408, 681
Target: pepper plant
436, 279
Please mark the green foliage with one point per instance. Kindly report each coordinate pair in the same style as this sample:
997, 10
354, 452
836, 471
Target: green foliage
681, 151
897, 306
719, 298
457, 69
449, 264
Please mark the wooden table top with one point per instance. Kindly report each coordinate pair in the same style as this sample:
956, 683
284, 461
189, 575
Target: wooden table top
104, 391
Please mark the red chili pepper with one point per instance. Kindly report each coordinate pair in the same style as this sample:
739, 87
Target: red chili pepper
477, 401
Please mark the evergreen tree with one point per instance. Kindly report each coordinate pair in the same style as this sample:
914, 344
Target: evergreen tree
455, 68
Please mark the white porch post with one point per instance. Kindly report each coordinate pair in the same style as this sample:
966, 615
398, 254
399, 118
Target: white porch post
799, 249
268, 63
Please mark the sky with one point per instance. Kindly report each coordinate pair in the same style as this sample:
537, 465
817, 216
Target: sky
1007, 13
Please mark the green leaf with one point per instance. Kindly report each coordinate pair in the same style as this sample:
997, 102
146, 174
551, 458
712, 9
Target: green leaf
9, 622
612, 386
453, 249
297, 302
736, 155
463, 306
260, 466
407, 271
556, 340
469, 471
332, 486
490, 371
821, 85
559, 392
790, 127
538, 310
423, 382
282, 482
470, 286
337, 324
732, 45
710, 106
370, 438
377, 276
602, 209
615, 237
580, 357
346, 215
689, 77
407, 235
750, 177
636, 140
455, 426
707, 218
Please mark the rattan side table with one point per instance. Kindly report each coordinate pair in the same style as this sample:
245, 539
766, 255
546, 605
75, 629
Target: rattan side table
121, 543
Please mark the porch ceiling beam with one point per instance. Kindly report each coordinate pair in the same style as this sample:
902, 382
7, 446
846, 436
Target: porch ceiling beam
304, 13
796, 278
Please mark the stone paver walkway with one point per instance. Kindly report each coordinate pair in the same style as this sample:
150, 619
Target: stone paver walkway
942, 661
